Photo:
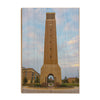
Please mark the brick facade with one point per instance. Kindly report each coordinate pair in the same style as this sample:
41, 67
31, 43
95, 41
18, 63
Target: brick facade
71, 80
30, 75
50, 65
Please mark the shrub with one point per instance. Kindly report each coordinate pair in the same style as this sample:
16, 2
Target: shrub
37, 85
32, 85
69, 84
63, 85
77, 80
25, 80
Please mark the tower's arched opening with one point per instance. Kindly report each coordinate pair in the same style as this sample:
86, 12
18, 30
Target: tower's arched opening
50, 80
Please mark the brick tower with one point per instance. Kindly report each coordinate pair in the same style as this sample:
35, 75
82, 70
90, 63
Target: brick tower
50, 66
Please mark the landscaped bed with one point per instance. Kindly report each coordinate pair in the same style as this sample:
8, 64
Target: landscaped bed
69, 84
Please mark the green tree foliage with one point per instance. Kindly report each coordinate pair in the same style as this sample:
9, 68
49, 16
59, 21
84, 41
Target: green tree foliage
77, 80
48, 80
65, 80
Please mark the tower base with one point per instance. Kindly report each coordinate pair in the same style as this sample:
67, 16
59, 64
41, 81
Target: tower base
50, 69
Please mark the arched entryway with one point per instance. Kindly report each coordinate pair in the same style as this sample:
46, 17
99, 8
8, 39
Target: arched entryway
50, 80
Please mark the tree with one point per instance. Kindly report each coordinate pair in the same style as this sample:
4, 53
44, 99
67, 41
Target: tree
77, 80
65, 80
25, 80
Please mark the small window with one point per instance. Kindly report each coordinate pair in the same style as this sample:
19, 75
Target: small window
50, 29
32, 80
50, 48
32, 73
25, 73
50, 57
35, 76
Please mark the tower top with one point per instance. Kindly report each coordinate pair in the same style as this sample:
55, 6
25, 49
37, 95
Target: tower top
50, 15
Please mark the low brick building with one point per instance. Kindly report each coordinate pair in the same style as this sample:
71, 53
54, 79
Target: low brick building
71, 80
30, 74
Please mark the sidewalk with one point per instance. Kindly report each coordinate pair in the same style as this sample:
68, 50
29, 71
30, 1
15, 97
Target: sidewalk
50, 90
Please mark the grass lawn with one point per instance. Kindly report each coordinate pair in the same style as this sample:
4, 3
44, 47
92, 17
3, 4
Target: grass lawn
69, 85
32, 85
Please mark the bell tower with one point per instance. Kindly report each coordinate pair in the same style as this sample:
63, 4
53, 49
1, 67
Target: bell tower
50, 65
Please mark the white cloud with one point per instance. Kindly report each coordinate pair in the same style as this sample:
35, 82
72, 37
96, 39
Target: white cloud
32, 35
40, 48
73, 40
31, 14
69, 55
70, 27
75, 65
67, 27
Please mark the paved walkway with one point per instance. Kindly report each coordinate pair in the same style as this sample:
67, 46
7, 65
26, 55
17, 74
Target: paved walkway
50, 90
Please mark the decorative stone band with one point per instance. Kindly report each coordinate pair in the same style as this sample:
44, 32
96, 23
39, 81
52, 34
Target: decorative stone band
50, 15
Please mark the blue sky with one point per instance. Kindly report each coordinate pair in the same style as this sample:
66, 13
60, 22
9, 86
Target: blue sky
67, 28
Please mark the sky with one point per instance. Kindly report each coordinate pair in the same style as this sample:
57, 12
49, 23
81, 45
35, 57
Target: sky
67, 28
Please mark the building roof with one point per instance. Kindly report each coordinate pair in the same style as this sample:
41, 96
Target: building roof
72, 78
30, 69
